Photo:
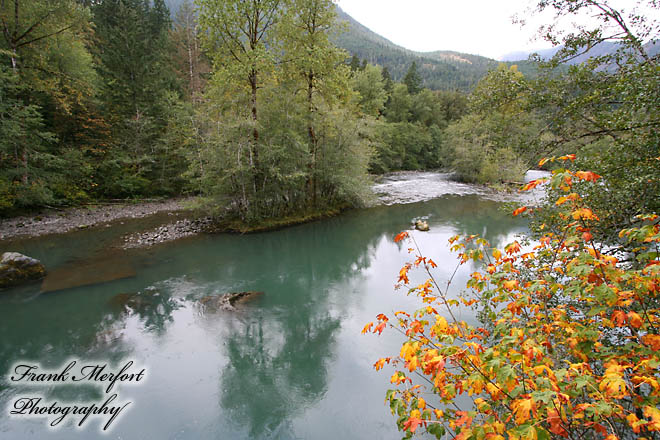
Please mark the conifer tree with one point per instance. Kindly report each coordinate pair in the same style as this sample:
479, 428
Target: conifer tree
413, 79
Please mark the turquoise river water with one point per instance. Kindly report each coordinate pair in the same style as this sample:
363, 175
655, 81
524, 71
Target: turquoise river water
290, 364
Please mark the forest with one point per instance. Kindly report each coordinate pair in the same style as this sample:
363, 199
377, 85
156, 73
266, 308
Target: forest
116, 99
254, 109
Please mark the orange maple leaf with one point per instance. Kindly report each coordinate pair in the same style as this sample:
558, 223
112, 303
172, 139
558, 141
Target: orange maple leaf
652, 413
400, 236
519, 211
522, 409
635, 320
652, 340
512, 248
555, 423
587, 175
619, 317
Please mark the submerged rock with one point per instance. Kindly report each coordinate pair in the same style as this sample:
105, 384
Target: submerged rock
228, 300
133, 301
85, 273
17, 268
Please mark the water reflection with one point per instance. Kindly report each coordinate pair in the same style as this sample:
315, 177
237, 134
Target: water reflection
275, 369
262, 371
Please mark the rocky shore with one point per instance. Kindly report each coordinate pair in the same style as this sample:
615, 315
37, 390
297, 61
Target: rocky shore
169, 232
60, 221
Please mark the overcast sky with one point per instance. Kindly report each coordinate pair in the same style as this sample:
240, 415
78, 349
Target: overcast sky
481, 27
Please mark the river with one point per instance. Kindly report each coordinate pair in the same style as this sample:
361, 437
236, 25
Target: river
290, 364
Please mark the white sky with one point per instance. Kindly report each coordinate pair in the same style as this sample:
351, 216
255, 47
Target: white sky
481, 27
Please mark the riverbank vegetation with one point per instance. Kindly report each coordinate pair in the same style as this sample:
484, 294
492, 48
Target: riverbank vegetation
255, 110
567, 343
250, 107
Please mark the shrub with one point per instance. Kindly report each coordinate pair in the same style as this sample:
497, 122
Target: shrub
569, 340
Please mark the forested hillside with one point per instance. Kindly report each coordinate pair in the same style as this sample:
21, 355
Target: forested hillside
440, 70
117, 99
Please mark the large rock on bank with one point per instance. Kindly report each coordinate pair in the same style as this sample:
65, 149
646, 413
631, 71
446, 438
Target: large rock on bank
17, 268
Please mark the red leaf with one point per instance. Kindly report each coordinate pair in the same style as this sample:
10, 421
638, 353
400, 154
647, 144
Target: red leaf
400, 236
619, 317
412, 424
519, 210
587, 175
555, 423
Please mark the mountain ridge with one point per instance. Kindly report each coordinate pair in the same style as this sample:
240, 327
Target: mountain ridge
440, 69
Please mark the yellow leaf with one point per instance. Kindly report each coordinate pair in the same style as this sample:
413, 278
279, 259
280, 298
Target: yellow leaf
654, 414
522, 409
635, 320
441, 323
510, 285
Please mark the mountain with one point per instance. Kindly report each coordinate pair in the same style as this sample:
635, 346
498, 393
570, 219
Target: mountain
446, 70
440, 70
604, 48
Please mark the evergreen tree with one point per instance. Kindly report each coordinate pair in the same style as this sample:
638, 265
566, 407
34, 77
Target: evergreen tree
355, 63
413, 80
47, 77
388, 84
133, 47
135, 52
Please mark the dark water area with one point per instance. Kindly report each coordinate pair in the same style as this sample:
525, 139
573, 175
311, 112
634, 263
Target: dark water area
289, 364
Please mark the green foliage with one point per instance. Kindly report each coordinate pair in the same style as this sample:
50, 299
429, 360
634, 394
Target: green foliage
133, 46
369, 84
608, 110
483, 150
413, 136
281, 138
413, 80
409, 146
47, 82
133, 49
498, 141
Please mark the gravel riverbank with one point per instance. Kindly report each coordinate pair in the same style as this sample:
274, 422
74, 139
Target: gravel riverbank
69, 219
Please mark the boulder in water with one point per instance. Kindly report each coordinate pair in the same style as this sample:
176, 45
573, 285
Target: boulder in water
227, 301
17, 268
421, 225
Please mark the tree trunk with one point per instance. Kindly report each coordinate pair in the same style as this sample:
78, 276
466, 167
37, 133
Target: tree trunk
254, 156
311, 179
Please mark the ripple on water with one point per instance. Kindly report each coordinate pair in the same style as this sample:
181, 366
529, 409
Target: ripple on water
415, 186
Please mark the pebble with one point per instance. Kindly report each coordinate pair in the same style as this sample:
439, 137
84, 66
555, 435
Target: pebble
170, 232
